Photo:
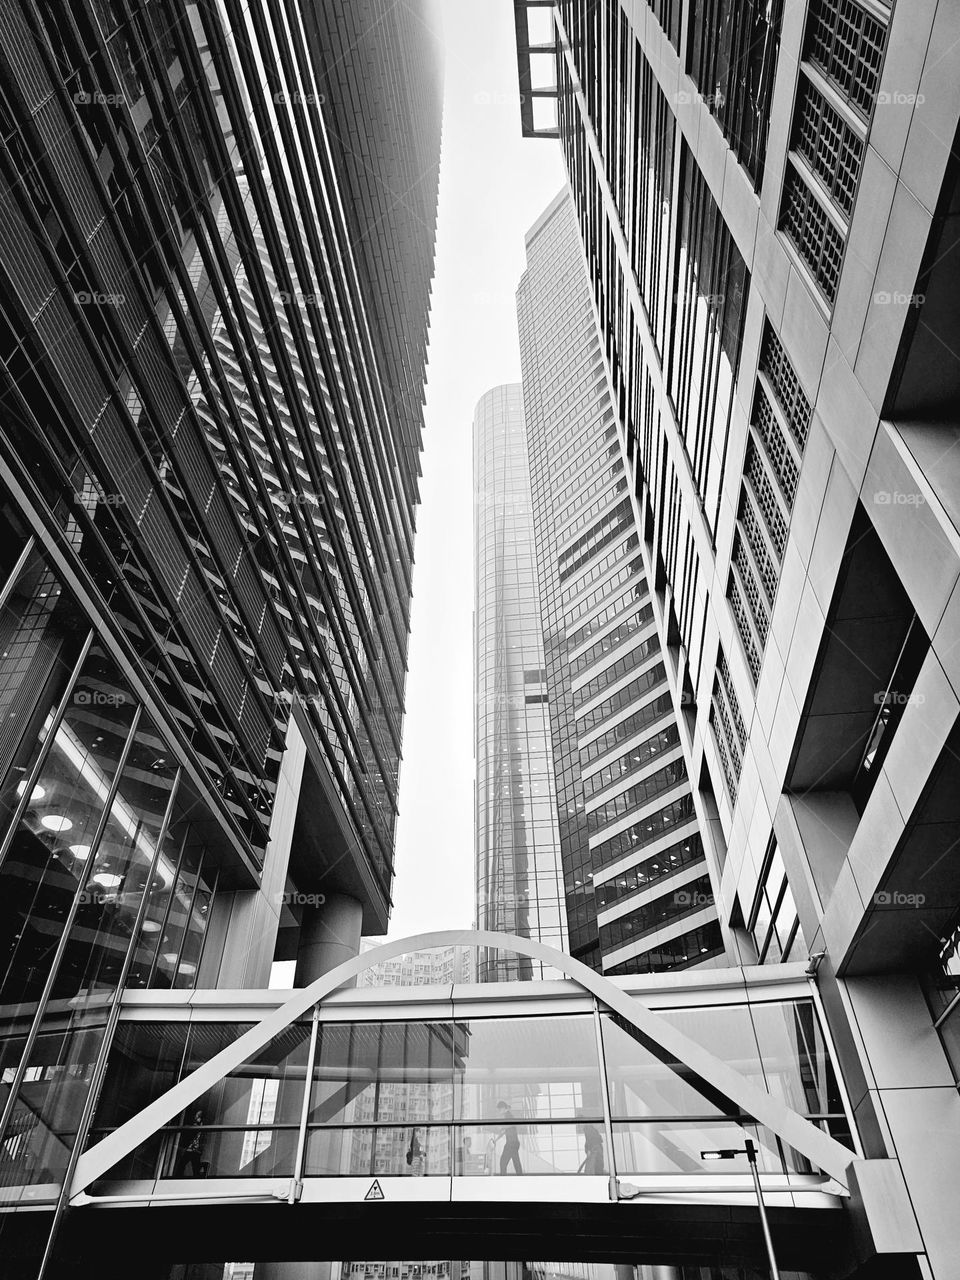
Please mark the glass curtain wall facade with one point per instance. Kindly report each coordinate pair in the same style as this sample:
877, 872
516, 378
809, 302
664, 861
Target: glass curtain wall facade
519, 885
208, 477
637, 892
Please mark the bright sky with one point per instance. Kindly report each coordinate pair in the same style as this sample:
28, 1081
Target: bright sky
493, 186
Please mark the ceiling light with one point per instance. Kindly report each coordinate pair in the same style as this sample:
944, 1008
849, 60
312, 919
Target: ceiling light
107, 879
56, 822
36, 794
81, 851
151, 926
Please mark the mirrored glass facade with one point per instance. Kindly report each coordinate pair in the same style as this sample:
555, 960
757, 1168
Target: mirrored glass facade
519, 888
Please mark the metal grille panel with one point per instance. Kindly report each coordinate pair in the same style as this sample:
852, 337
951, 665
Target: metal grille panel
846, 43
743, 628
832, 149
814, 236
786, 386
768, 428
766, 499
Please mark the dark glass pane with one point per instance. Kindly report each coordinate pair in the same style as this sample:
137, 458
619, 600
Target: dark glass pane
41, 635
47, 857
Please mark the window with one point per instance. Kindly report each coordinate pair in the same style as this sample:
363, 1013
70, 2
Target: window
773, 923
780, 423
728, 727
732, 60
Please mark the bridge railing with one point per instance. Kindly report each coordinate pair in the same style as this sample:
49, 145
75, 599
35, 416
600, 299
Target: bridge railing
665, 1146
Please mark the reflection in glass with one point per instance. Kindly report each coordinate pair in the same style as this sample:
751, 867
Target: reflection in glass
387, 1071
544, 1068
479, 1098
642, 1085
193, 1151
403, 1151
42, 633
674, 1147
90, 968
46, 862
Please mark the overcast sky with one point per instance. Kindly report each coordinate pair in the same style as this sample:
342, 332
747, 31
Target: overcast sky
493, 186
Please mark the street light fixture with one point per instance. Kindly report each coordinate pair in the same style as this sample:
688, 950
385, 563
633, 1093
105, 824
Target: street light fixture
750, 1151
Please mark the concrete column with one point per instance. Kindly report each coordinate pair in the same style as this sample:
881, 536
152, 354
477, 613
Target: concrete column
247, 921
329, 935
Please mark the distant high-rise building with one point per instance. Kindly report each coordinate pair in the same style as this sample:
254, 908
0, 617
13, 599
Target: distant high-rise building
212, 349
637, 891
766, 196
587, 835
519, 884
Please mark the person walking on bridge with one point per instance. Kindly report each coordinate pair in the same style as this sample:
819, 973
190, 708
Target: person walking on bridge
511, 1140
593, 1161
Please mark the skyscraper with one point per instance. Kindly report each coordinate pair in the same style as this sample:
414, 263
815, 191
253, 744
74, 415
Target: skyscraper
766, 197
519, 884
212, 376
587, 835
637, 892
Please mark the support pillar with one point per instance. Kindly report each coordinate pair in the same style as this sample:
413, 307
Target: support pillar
329, 935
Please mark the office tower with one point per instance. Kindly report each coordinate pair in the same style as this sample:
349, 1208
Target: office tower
519, 884
212, 385
637, 891
767, 201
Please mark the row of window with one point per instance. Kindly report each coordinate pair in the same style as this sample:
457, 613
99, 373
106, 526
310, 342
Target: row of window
639, 877
600, 567
628, 728
630, 661
728, 727
633, 569
665, 779
692, 897
677, 813
622, 698
634, 759
780, 424
624, 601
600, 536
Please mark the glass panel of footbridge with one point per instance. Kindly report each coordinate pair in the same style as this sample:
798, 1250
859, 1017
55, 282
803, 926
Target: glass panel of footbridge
472, 1098
664, 1117
244, 1126
478, 1097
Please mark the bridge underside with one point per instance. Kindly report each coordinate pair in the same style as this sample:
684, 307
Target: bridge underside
100, 1242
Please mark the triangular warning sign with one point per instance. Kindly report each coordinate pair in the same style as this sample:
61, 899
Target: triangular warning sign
375, 1192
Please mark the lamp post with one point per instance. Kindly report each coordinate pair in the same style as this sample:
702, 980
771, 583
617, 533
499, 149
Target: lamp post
750, 1151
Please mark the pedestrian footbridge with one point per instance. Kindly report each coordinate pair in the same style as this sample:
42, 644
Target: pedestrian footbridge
565, 1119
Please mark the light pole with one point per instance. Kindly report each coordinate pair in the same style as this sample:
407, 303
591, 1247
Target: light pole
750, 1151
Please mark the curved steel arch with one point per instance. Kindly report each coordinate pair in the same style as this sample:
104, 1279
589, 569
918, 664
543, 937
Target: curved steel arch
665, 1041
